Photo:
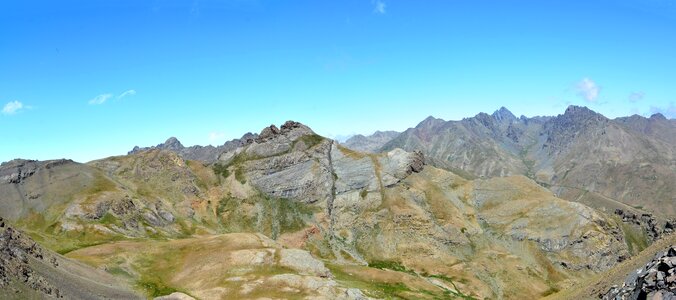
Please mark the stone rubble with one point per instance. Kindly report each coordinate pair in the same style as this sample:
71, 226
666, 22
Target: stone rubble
657, 280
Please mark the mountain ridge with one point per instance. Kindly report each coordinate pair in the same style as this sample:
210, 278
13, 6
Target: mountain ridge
547, 149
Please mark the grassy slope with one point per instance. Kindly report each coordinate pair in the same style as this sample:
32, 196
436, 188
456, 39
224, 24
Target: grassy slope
201, 265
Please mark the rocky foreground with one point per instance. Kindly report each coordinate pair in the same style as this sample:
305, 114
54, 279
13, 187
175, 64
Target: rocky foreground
657, 280
28, 271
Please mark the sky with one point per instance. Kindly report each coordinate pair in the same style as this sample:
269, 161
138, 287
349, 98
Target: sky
91, 79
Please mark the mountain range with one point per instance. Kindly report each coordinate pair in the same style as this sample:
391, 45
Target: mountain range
491, 206
579, 155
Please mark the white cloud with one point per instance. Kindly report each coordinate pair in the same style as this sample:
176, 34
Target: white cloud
12, 107
216, 137
588, 89
127, 93
379, 7
100, 99
636, 96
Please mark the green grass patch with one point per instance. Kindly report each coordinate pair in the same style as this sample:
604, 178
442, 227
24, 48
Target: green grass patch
380, 290
117, 271
239, 175
108, 218
390, 265
636, 238
100, 184
154, 286
220, 169
392, 289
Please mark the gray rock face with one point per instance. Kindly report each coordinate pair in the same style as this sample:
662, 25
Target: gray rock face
294, 163
657, 280
298, 175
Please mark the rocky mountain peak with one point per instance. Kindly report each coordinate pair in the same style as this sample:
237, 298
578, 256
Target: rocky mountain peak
289, 128
581, 113
172, 143
658, 116
503, 114
485, 119
430, 122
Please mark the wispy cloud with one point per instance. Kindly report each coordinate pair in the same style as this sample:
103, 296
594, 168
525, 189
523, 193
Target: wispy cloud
216, 137
588, 89
379, 7
100, 99
12, 107
127, 93
636, 96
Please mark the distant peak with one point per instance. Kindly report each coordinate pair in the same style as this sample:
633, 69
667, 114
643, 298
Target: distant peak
658, 116
172, 140
581, 111
504, 114
575, 108
172, 143
430, 121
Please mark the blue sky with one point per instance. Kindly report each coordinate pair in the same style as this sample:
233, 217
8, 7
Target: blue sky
90, 79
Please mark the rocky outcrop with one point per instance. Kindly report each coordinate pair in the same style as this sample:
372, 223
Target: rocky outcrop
16, 171
28, 271
653, 227
295, 163
657, 280
15, 252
